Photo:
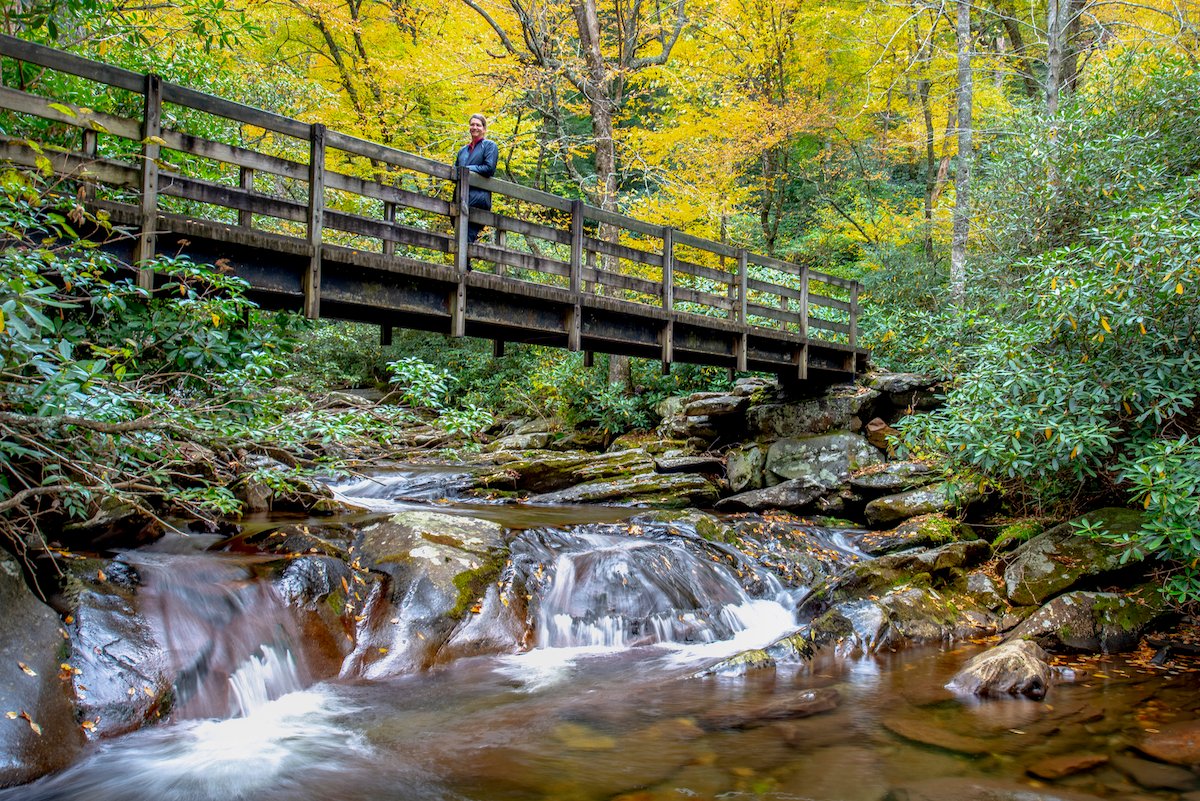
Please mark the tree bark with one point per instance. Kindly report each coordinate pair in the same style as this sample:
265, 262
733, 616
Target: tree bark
962, 177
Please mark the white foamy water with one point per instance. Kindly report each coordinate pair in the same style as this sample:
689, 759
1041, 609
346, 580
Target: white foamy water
262, 679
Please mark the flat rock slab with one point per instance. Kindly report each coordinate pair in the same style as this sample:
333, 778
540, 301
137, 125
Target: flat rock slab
690, 464
1066, 765
795, 494
1155, 775
926, 732
1177, 743
967, 789
801, 704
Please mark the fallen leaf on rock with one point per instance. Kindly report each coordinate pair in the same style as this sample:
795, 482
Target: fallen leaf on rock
27, 669
36, 728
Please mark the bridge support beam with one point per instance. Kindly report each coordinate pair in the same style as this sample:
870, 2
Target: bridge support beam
385, 336
462, 261
575, 282
668, 298
316, 220
144, 250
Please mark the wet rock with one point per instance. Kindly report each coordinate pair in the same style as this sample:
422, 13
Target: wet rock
646, 489
1060, 559
926, 732
744, 464
1092, 622
796, 494
546, 471
984, 589
797, 647
1155, 775
688, 522
784, 706
299, 538
439, 567
709, 465
918, 532
942, 566
282, 492
116, 524
969, 789
892, 477
30, 684
310, 580
1058, 767
1177, 743
826, 461
798, 418
942, 497
905, 614
1016, 667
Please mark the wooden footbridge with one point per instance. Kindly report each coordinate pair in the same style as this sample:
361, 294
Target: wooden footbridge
339, 227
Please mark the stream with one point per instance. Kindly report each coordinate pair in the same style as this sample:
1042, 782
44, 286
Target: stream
610, 703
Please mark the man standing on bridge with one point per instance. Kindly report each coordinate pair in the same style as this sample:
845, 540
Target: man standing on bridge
479, 156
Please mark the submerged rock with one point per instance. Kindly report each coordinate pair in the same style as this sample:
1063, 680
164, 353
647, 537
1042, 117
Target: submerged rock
977, 789
1061, 559
1016, 667
784, 706
1177, 743
1089, 621
44, 737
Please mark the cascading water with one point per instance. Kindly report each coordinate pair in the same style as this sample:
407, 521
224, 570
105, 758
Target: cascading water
600, 587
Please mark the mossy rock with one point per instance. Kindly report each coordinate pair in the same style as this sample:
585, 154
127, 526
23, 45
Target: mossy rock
795, 647
1060, 559
918, 532
1016, 533
1092, 622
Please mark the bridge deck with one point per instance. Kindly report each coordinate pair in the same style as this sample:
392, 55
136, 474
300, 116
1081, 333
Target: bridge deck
335, 226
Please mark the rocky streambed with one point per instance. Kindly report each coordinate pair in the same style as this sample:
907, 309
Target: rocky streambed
753, 602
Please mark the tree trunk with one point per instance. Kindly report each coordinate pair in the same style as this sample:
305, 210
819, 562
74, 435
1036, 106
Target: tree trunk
1054, 54
962, 177
930, 167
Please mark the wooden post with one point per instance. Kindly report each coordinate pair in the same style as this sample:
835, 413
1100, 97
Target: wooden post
462, 262
385, 335
668, 298
575, 321
91, 142
497, 348
245, 216
502, 243
316, 220
854, 315
741, 308
389, 217
802, 367
589, 358
144, 250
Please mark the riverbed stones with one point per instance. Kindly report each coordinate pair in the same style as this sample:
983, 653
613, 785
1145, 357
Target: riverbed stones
1176, 743
980, 789
783, 706
1092, 622
1016, 667
1155, 775
44, 735
1063, 765
941, 497
1060, 559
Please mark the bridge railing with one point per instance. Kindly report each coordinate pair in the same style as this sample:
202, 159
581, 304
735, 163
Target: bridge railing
159, 149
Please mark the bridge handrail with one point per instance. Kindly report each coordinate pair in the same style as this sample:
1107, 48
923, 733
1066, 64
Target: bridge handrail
592, 256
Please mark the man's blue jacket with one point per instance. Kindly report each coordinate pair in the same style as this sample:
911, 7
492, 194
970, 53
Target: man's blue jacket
481, 161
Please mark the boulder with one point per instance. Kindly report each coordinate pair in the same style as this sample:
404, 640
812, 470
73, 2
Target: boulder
918, 532
1015, 667
796, 494
903, 614
744, 466
439, 566
791, 649
1176, 743
44, 736
1060, 559
905, 392
942, 566
715, 406
826, 460
831, 411
522, 442
709, 465
1093, 622
545, 471
944, 497
892, 477
672, 490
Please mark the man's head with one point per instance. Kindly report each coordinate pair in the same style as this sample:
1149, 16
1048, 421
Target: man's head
477, 125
